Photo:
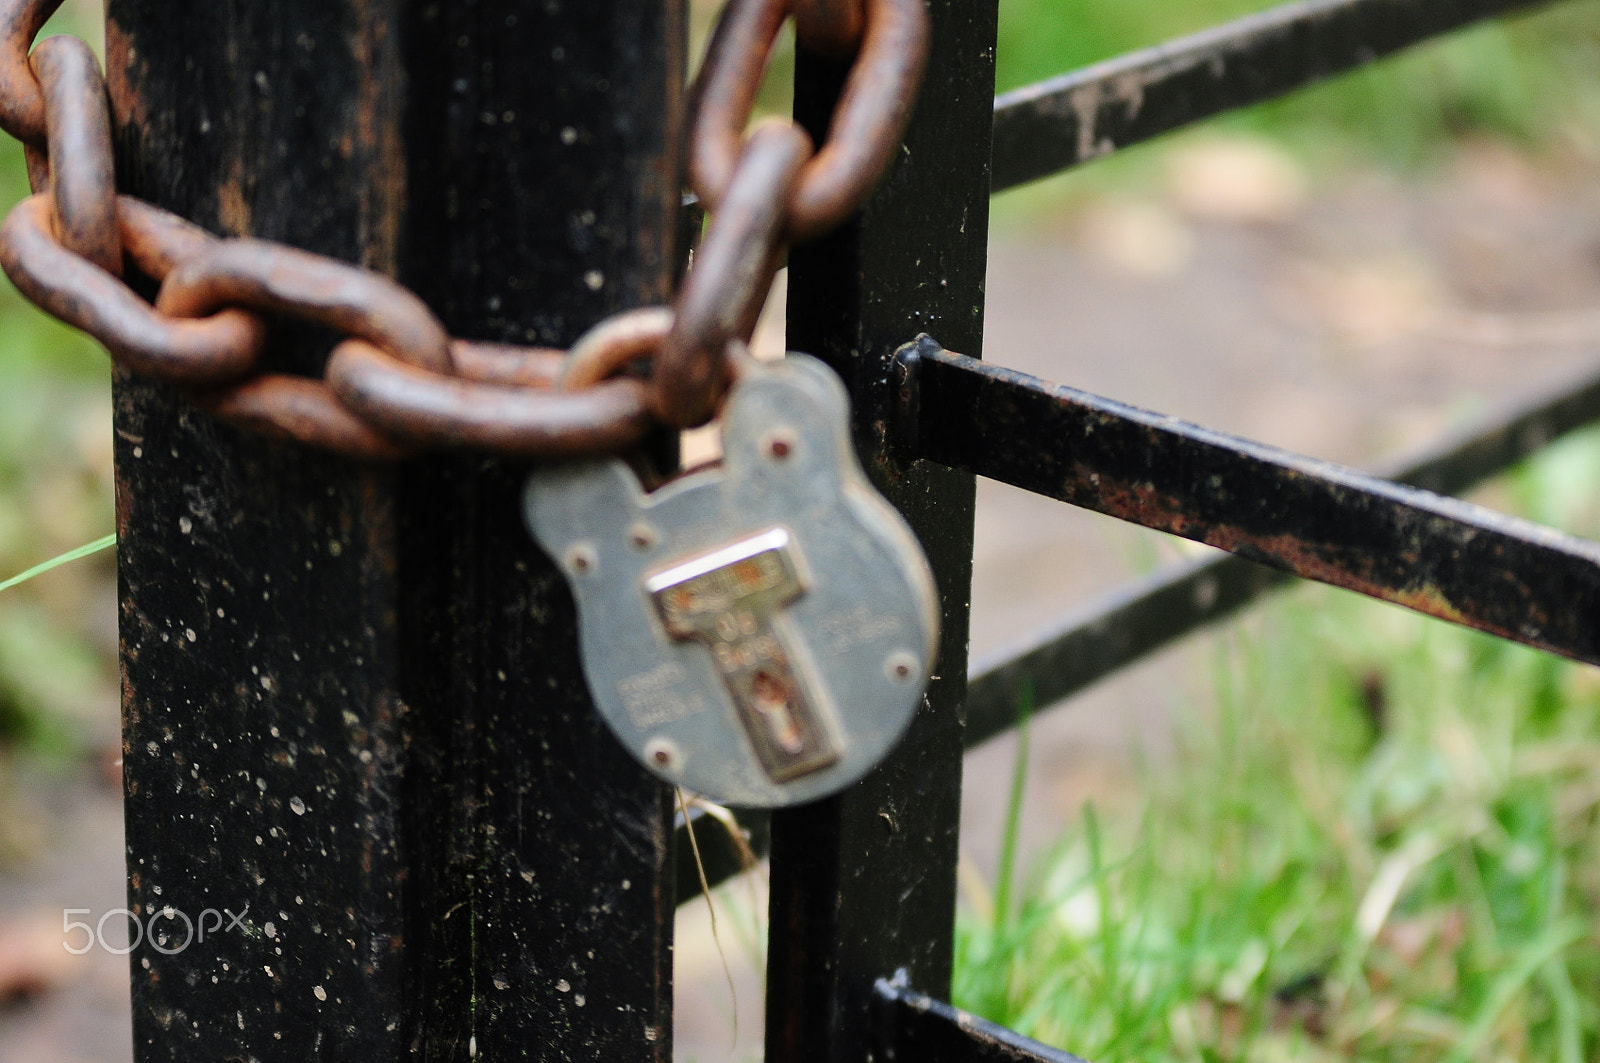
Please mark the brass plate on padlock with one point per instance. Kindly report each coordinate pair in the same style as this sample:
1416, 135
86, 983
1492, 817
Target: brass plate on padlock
759, 631
729, 600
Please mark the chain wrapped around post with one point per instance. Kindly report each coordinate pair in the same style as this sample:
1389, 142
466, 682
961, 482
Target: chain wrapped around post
398, 383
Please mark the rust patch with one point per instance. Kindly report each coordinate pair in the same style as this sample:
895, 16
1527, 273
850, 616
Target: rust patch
125, 71
234, 214
1303, 559
1142, 504
377, 131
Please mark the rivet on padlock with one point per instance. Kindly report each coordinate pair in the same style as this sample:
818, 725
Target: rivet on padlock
759, 631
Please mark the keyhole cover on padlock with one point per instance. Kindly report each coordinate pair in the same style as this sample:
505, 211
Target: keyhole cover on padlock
759, 631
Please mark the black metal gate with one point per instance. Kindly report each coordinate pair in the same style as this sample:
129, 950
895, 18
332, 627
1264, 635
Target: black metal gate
352, 701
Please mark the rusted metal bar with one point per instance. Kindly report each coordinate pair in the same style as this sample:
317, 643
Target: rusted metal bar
1092, 641
1437, 555
1057, 124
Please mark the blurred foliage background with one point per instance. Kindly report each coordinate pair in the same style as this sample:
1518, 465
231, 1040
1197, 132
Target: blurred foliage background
57, 632
1377, 835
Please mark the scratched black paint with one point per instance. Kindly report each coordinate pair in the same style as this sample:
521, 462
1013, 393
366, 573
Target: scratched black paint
264, 733
351, 695
542, 139
864, 883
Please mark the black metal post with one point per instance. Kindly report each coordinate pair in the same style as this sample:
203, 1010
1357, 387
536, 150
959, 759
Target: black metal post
863, 884
353, 708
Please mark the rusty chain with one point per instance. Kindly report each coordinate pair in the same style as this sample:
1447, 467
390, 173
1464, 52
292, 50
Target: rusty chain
398, 383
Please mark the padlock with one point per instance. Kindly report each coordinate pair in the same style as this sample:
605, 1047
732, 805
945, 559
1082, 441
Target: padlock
759, 631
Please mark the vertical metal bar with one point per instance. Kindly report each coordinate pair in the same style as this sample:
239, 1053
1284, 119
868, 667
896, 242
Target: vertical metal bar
264, 730
544, 197
352, 709
863, 884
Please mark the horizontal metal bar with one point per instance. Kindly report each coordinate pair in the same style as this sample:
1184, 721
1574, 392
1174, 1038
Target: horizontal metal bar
1091, 641
917, 1027
1437, 555
1096, 639
1107, 634
1056, 124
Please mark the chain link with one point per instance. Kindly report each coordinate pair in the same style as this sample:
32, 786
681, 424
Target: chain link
397, 383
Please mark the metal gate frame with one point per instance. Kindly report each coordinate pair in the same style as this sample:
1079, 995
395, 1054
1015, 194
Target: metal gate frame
847, 979
351, 699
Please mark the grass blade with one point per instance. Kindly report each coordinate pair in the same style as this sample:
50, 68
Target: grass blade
1544, 950
56, 562
1013, 825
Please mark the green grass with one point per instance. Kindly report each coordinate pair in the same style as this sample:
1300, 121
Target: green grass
1381, 842
57, 670
76, 554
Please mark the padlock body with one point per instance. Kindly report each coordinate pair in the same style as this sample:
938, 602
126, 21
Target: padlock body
759, 631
